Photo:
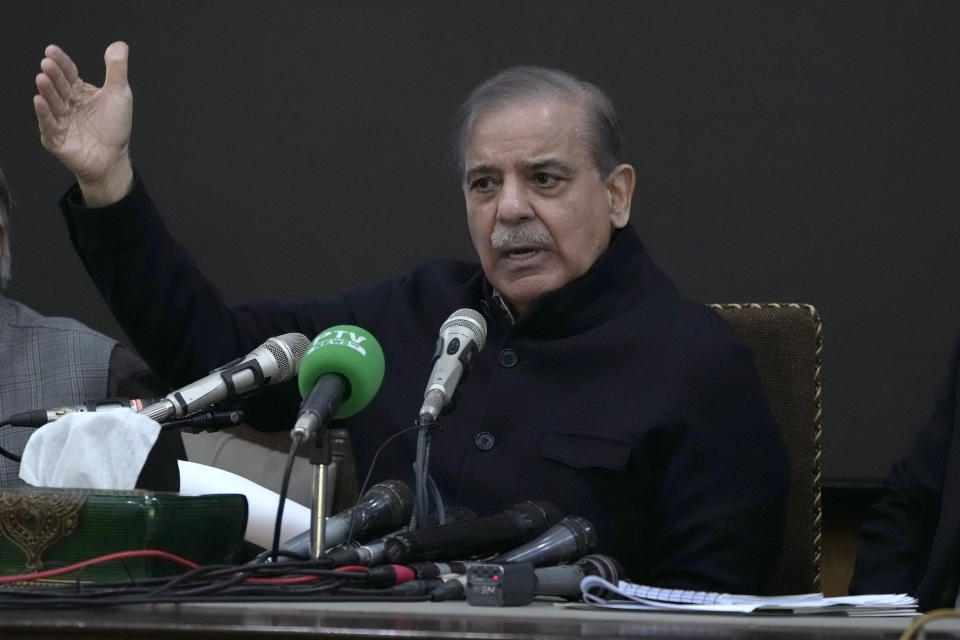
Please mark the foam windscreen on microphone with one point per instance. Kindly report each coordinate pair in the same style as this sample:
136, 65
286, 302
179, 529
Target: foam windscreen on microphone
351, 352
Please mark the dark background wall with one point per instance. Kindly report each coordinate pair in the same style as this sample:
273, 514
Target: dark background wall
786, 151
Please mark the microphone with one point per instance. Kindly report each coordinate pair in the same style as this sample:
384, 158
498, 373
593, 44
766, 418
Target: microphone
564, 580
40, 417
276, 360
520, 523
385, 506
462, 336
568, 539
496, 584
341, 373
375, 552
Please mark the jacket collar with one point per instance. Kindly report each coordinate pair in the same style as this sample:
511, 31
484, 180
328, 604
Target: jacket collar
592, 298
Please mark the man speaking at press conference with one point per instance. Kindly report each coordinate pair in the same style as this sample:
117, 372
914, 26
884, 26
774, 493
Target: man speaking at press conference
599, 388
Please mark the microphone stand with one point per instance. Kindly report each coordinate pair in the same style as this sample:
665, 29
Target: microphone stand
320, 459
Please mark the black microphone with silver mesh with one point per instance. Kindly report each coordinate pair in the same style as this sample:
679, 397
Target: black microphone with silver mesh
462, 336
375, 552
518, 524
384, 507
564, 580
566, 540
276, 360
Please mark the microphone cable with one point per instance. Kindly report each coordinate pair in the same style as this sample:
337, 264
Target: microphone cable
4, 452
287, 582
425, 489
373, 464
296, 439
376, 454
210, 420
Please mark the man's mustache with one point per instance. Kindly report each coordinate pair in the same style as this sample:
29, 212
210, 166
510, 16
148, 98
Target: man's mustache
529, 235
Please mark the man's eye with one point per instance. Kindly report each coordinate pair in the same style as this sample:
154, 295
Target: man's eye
545, 179
481, 184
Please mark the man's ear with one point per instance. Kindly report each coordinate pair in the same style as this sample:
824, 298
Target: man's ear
620, 184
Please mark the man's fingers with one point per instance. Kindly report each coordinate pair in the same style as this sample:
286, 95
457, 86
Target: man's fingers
52, 70
115, 58
58, 55
45, 119
50, 95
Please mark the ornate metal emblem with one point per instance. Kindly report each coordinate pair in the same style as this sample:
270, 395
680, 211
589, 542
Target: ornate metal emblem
36, 520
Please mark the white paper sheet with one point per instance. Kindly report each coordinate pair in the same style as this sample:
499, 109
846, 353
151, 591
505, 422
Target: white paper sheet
199, 479
644, 597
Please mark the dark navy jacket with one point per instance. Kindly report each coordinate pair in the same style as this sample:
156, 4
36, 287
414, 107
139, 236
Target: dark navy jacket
911, 537
613, 398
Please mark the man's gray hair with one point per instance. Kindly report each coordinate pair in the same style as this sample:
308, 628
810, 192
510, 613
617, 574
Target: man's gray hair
5, 203
517, 84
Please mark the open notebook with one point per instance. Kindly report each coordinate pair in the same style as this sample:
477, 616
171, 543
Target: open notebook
627, 595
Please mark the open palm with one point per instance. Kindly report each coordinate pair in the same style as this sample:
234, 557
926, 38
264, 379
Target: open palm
84, 126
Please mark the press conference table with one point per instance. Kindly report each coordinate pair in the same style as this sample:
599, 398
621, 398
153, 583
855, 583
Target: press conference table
539, 620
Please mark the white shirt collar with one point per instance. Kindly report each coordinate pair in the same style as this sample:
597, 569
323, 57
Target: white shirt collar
502, 303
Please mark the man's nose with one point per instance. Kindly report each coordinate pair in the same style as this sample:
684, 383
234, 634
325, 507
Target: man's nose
514, 202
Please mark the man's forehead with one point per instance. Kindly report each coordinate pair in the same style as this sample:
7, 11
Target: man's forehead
528, 115
528, 132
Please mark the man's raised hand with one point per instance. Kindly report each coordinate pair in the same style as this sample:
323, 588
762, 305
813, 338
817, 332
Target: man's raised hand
87, 128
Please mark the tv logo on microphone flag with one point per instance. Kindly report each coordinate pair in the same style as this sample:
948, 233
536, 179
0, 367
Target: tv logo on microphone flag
340, 337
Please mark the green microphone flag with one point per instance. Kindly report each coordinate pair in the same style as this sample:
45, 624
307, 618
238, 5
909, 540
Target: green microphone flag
351, 352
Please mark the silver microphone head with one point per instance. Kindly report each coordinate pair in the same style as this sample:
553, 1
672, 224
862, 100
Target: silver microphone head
463, 328
607, 567
276, 360
288, 350
467, 321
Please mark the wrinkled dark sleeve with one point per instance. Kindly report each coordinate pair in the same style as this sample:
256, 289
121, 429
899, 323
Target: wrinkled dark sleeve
176, 319
898, 531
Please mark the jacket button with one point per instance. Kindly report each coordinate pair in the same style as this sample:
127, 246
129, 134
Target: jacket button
508, 358
484, 441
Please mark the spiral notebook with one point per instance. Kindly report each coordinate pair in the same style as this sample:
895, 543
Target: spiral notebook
628, 595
